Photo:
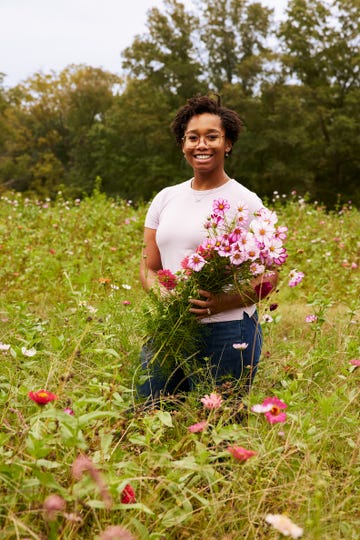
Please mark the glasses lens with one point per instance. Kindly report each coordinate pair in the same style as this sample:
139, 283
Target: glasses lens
212, 139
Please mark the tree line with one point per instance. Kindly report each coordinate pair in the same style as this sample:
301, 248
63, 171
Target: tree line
294, 82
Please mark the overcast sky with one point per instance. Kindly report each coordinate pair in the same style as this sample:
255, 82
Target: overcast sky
45, 35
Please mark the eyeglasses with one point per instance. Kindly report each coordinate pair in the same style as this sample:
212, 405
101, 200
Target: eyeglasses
211, 139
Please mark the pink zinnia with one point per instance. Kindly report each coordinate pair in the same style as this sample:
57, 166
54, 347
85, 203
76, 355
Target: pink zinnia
167, 279
197, 428
213, 401
240, 453
272, 408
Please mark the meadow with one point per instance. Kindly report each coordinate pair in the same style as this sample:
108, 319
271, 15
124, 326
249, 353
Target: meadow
93, 464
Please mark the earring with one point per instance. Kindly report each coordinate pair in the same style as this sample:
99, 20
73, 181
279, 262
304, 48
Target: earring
226, 154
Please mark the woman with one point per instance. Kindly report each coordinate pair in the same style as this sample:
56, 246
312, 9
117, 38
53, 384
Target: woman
174, 227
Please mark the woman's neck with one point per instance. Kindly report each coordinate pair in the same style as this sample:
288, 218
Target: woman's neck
203, 183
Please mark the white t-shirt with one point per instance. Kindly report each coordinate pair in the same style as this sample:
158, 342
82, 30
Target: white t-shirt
178, 213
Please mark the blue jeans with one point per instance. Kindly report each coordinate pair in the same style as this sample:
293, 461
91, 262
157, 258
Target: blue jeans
221, 362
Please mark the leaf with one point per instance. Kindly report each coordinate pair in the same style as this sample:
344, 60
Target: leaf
165, 418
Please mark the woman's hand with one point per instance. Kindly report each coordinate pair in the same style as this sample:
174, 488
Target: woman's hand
210, 304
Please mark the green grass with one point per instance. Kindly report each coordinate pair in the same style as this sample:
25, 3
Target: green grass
66, 272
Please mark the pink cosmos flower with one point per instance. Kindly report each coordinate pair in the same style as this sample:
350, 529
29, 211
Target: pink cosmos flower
126, 303
240, 453
52, 505
116, 532
295, 278
310, 318
355, 362
272, 408
284, 525
213, 401
280, 232
196, 262
220, 206
69, 411
84, 464
198, 428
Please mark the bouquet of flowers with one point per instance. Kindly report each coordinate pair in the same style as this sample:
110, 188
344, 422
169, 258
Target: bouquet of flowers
236, 250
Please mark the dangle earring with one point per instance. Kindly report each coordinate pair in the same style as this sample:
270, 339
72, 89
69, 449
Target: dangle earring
226, 154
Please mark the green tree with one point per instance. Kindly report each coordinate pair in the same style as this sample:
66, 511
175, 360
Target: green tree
166, 56
235, 34
324, 58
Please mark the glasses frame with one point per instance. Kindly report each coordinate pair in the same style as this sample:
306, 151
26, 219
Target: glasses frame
209, 144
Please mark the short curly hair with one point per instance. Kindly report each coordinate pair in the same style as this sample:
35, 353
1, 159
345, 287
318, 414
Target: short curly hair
230, 120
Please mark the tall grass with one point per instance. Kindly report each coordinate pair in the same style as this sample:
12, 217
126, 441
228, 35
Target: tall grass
72, 321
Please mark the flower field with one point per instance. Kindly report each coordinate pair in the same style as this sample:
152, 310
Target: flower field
81, 459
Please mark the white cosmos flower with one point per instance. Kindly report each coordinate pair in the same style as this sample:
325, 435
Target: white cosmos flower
4, 347
284, 525
28, 352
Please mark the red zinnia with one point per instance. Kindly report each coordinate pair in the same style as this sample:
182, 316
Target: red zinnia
128, 495
41, 397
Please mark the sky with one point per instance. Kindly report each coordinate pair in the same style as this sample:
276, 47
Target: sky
48, 35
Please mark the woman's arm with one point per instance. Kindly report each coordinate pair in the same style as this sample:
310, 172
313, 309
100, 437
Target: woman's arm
150, 260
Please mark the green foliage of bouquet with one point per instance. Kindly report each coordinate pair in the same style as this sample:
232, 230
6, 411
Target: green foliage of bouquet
236, 250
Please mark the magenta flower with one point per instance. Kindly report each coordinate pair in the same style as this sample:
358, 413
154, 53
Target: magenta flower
295, 278
126, 303
69, 411
272, 408
310, 318
263, 289
213, 401
240, 453
197, 428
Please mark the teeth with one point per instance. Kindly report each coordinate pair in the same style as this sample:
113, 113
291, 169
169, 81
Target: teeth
202, 156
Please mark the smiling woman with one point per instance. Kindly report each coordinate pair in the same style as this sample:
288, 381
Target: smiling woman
174, 228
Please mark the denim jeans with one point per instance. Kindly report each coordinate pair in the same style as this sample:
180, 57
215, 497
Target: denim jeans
220, 360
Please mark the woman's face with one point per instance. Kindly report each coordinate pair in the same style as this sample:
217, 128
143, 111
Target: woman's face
204, 143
